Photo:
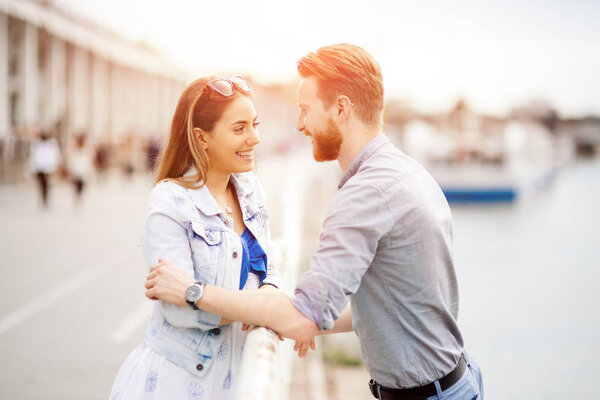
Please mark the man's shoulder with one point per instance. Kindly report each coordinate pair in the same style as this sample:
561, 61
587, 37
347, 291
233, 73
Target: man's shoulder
387, 168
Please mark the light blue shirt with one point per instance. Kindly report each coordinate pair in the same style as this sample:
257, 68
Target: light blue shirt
387, 243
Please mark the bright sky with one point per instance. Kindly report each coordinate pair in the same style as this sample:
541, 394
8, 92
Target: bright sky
496, 54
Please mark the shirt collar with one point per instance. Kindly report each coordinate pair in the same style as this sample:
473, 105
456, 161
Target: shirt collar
206, 203
365, 153
243, 184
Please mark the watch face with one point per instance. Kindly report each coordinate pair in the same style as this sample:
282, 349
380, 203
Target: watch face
193, 293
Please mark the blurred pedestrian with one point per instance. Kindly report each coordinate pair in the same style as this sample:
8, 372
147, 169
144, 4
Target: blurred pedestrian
152, 152
206, 212
126, 156
79, 165
386, 245
44, 159
101, 159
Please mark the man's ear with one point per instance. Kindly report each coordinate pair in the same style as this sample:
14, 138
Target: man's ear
343, 107
201, 137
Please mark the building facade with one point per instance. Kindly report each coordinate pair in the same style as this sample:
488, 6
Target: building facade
65, 76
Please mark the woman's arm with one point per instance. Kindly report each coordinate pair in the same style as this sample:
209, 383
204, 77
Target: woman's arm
165, 235
267, 307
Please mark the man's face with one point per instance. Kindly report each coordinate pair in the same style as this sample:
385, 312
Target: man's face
317, 123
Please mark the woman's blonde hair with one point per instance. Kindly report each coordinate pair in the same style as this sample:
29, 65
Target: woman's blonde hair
198, 107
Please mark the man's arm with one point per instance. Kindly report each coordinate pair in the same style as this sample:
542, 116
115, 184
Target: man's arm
342, 324
358, 218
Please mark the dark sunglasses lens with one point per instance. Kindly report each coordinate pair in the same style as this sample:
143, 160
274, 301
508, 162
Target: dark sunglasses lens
224, 87
241, 83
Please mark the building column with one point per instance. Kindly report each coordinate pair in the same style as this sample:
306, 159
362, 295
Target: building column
78, 86
117, 101
30, 87
100, 98
166, 108
4, 101
57, 97
149, 112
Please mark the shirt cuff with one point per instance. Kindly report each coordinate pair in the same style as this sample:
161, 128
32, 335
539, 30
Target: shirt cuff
302, 302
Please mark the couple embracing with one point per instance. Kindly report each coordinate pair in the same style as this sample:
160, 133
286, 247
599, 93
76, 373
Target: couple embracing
383, 268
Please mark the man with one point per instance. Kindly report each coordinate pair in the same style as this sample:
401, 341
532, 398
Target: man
386, 243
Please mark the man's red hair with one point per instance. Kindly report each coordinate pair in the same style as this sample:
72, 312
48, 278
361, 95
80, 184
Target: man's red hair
346, 69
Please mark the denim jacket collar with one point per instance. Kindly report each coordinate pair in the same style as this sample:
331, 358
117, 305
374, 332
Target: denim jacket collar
245, 185
366, 152
207, 204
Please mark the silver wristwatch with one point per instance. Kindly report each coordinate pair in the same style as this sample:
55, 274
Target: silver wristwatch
194, 293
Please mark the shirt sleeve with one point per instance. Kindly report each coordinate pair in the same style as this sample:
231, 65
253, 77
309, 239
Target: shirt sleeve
166, 236
358, 218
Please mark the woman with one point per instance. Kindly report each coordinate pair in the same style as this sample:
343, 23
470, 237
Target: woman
207, 214
79, 165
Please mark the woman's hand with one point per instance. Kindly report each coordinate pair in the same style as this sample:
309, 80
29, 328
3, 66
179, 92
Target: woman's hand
167, 282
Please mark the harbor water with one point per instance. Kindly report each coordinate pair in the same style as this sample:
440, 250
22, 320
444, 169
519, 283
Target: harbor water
528, 275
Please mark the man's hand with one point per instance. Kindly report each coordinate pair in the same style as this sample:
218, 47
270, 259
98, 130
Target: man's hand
302, 347
302, 330
167, 282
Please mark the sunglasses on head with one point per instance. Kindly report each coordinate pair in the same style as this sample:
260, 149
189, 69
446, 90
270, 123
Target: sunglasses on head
226, 87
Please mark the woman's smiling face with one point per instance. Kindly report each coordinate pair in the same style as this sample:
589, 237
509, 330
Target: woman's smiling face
230, 145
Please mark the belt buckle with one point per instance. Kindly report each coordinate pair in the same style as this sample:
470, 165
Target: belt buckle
375, 389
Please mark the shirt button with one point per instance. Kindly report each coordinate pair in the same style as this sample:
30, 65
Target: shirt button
235, 254
216, 331
199, 367
226, 222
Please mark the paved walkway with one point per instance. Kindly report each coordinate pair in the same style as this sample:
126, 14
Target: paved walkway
72, 302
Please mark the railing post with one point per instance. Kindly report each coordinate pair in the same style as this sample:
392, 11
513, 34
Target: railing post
258, 373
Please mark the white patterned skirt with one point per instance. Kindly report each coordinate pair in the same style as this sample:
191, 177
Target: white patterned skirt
148, 375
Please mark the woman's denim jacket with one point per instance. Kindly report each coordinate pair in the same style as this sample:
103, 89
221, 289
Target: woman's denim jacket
188, 228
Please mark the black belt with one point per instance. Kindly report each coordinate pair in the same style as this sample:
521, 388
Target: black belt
421, 391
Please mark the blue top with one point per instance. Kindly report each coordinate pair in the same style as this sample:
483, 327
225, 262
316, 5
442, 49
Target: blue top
254, 258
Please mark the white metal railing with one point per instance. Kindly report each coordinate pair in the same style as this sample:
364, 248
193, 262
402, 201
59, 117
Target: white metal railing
259, 369
266, 369
265, 372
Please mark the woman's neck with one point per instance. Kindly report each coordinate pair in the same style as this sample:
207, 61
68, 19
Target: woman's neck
217, 183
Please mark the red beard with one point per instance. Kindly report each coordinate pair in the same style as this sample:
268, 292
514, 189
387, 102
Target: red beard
327, 143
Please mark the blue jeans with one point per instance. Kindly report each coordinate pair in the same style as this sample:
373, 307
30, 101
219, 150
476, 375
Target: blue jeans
468, 387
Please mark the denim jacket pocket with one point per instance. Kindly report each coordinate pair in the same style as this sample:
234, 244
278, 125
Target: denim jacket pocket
205, 244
